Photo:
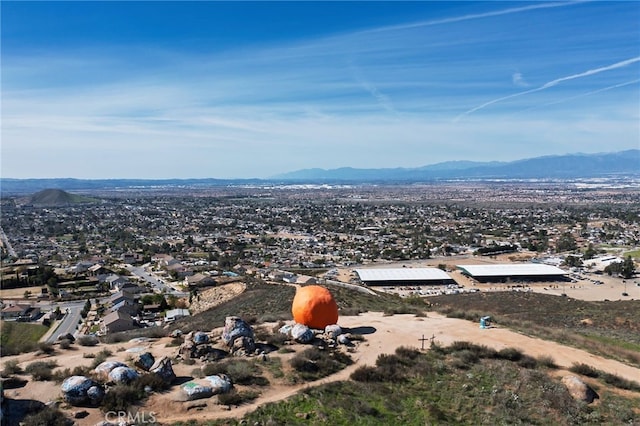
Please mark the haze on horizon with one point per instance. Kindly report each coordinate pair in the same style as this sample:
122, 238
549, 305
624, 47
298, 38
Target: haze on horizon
155, 90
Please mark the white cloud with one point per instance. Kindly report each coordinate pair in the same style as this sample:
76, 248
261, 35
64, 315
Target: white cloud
518, 80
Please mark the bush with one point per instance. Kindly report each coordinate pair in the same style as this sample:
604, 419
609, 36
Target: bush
11, 367
277, 339
101, 357
151, 380
620, 382
87, 340
528, 362
547, 361
510, 354
240, 371
120, 397
65, 344
313, 363
584, 369
46, 348
176, 341
465, 358
236, 398
367, 374
41, 370
47, 416
60, 375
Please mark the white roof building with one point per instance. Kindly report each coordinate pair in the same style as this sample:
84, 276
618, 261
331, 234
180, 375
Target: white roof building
511, 270
400, 276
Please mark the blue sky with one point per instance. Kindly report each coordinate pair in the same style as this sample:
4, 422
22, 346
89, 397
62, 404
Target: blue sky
254, 89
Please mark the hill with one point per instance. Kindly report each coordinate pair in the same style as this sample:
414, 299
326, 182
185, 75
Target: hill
55, 197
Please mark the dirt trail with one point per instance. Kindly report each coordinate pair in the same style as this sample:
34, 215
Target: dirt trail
386, 333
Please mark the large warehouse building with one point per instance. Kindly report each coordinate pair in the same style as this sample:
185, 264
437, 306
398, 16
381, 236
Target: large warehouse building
513, 272
404, 276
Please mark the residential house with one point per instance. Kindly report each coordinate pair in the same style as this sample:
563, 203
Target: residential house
98, 270
175, 314
20, 312
120, 296
199, 280
116, 281
127, 306
117, 321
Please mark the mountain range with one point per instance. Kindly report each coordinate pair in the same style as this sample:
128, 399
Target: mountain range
571, 166
568, 166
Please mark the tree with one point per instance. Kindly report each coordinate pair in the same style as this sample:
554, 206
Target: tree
566, 242
628, 267
573, 261
590, 253
625, 268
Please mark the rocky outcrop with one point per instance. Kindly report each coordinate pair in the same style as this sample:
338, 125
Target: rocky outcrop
579, 390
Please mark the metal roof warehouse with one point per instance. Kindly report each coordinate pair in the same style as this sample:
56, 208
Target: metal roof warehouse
516, 272
404, 276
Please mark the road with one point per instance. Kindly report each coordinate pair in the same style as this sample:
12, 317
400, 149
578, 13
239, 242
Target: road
70, 321
7, 245
156, 283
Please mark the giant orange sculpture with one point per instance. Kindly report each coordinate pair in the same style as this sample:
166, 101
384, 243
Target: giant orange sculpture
315, 307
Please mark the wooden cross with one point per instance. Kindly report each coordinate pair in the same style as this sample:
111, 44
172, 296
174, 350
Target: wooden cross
423, 340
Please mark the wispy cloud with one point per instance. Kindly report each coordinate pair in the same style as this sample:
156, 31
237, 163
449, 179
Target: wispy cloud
553, 83
582, 95
518, 80
473, 16
383, 100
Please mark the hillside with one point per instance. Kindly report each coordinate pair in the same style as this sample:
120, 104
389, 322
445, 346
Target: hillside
467, 376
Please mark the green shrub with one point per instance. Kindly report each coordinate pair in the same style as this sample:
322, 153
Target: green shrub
584, 369
65, 344
277, 339
41, 370
547, 361
151, 380
465, 358
236, 398
510, 354
11, 367
120, 397
313, 363
528, 362
46, 348
367, 374
620, 382
47, 416
87, 340
101, 357
176, 341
